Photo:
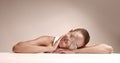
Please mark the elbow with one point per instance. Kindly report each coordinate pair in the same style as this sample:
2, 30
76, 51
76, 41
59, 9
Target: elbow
17, 48
107, 49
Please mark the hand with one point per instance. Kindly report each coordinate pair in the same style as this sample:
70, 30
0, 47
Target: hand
63, 51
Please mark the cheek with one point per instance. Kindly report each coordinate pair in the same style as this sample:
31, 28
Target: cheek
80, 43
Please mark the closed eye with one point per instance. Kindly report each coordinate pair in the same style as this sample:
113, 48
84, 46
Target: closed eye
65, 40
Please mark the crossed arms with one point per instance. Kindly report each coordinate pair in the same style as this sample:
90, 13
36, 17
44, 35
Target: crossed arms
44, 44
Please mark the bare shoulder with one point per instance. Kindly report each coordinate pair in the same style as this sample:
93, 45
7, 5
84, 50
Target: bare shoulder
40, 41
44, 40
45, 37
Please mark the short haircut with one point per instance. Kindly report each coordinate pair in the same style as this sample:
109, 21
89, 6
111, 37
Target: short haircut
85, 33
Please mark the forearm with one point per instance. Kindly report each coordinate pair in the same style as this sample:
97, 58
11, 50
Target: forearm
92, 49
34, 46
28, 48
96, 49
82, 50
88, 50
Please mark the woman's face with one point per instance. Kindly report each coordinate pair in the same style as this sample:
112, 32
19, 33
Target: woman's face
72, 40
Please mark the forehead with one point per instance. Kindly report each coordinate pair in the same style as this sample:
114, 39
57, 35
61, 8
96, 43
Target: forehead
75, 34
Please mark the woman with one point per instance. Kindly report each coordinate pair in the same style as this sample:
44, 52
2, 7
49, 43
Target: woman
75, 41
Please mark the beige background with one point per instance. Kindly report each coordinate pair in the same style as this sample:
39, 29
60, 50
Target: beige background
22, 20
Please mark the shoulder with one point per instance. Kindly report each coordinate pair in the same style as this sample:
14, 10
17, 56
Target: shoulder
46, 38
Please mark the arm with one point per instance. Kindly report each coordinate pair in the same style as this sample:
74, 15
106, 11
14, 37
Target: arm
63, 51
96, 49
41, 44
29, 48
93, 49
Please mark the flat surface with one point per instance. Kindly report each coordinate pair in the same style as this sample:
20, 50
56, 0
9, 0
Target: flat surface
7, 57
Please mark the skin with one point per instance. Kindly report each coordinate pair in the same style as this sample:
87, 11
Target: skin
63, 45
72, 40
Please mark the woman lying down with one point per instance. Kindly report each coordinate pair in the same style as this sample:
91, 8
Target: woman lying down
75, 41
